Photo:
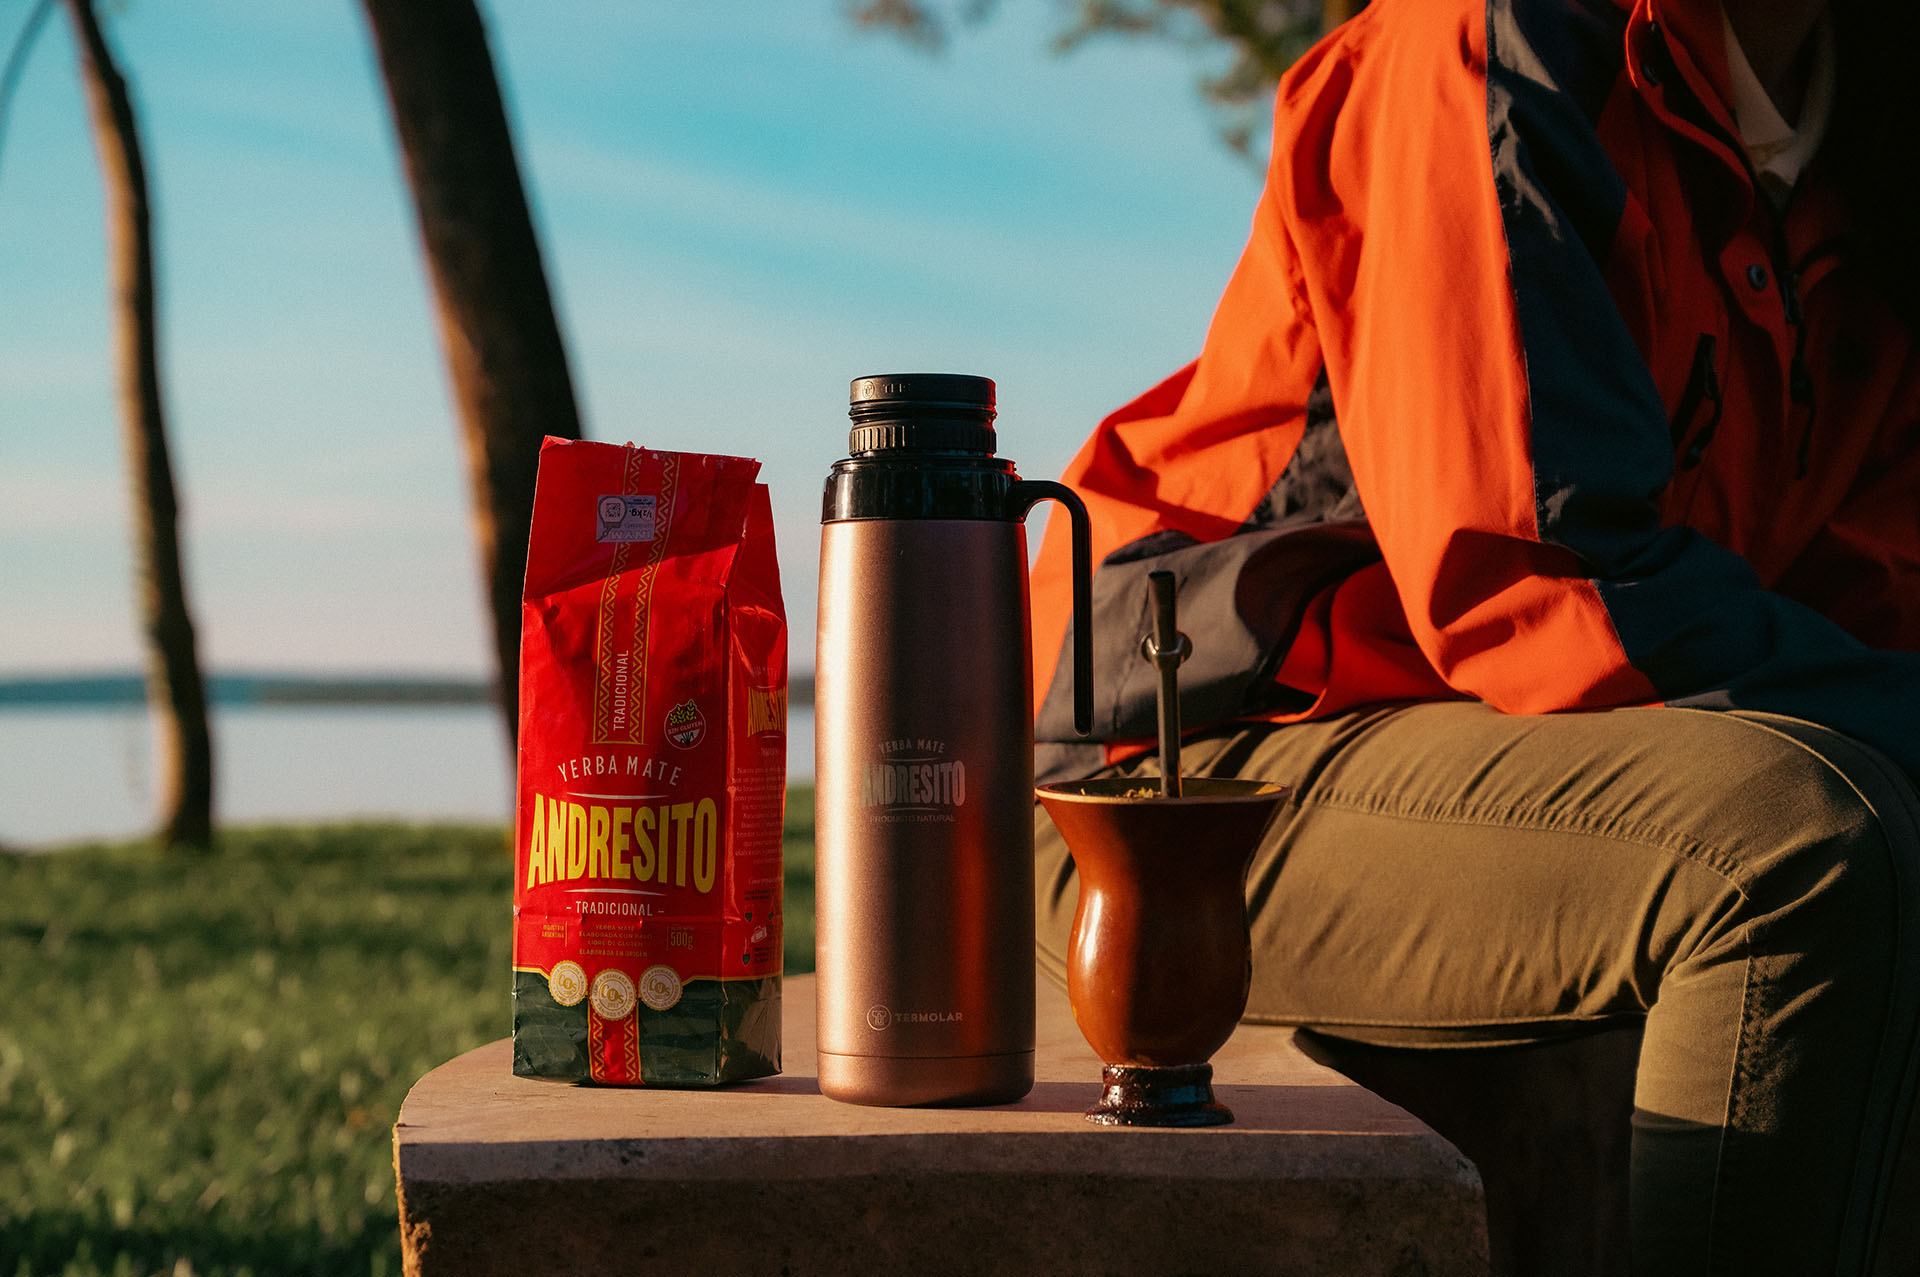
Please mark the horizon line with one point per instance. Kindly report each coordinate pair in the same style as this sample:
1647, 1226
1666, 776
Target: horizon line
128, 688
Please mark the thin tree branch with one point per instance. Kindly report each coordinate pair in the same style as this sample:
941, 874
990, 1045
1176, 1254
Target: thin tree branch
17, 62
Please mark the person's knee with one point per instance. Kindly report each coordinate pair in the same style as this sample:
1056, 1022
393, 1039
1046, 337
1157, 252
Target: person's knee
1805, 822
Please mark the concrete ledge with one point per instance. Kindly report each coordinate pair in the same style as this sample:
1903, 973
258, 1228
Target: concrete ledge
509, 1175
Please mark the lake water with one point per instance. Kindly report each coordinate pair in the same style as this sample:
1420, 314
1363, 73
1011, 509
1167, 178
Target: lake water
70, 774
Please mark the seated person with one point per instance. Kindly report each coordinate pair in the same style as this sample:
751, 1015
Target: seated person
1545, 506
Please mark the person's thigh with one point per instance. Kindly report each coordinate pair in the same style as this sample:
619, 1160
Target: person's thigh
1450, 870
1447, 874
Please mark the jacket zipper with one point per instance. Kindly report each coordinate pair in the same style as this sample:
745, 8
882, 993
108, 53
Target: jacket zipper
1799, 380
1703, 382
1788, 273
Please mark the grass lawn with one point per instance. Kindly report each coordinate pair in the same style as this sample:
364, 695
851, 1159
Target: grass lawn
201, 1059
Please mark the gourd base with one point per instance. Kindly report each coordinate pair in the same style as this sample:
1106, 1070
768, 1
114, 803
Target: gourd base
1141, 1095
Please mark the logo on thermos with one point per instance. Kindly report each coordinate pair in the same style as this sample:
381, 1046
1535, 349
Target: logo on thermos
914, 780
880, 1018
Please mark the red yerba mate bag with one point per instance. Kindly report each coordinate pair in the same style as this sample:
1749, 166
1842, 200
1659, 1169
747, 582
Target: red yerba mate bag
653, 745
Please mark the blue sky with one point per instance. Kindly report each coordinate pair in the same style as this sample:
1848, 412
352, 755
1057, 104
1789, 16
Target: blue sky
743, 204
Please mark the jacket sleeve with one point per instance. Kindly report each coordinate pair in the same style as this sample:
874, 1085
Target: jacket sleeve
1448, 203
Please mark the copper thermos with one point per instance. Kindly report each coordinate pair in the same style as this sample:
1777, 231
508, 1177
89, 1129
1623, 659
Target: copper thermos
924, 750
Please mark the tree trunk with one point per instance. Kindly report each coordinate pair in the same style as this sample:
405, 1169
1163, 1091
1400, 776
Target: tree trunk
503, 348
174, 685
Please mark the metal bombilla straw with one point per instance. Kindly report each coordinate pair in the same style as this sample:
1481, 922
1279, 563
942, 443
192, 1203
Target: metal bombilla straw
1167, 648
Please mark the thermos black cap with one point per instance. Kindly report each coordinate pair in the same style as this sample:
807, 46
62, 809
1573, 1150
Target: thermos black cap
921, 412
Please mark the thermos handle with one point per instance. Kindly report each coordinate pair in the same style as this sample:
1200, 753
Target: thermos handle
1025, 494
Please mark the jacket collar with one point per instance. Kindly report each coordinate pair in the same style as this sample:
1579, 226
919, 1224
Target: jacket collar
1676, 56
1677, 59
1695, 35
1677, 63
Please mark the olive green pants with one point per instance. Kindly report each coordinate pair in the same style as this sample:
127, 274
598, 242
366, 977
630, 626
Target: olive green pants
1748, 886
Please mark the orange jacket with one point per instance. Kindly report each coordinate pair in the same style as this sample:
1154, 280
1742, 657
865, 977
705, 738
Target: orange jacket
1519, 393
